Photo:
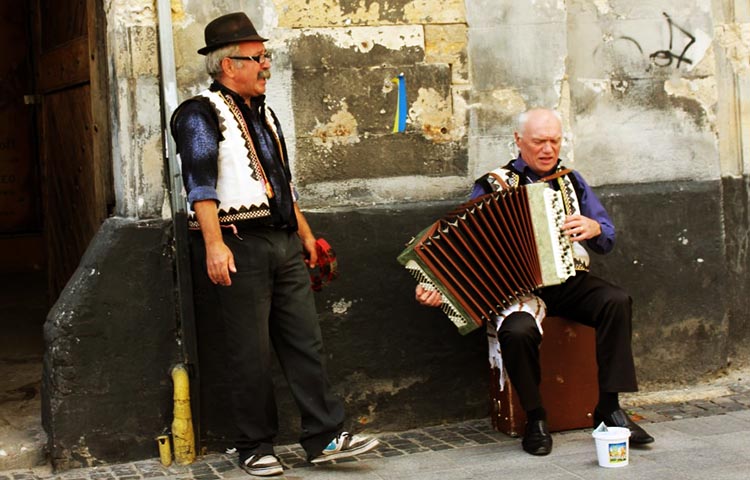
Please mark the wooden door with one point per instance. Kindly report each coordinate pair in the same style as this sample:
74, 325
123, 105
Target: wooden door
18, 196
74, 134
20, 207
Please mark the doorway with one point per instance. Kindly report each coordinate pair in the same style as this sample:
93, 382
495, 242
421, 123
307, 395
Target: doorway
23, 268
55, 189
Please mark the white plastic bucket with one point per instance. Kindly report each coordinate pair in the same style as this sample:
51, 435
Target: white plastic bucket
612, 447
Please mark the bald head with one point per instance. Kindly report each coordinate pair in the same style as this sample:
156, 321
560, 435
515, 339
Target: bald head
538, 136
535, 113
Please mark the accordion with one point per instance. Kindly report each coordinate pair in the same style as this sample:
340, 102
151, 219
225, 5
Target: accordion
490, 251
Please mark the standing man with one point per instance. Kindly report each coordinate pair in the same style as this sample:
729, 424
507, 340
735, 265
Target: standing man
250, 243
584, 298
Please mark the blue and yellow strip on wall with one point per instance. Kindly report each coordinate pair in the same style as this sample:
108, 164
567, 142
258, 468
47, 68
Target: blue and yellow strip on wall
399, 122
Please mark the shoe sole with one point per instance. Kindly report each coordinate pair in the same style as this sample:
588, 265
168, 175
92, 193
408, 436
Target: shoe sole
539, 452
642, 442
347, 453
632, 442
268, 471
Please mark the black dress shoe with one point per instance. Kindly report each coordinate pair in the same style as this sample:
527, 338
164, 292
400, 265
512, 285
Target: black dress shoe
619, 418
537, 440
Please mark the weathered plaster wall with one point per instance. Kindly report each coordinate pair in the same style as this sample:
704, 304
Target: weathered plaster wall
517, 52
636, 109
732, 33
135, 109
332, 87
344, 59
643, 106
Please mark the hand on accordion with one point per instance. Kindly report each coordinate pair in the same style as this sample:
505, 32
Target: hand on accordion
580, 228
427, 297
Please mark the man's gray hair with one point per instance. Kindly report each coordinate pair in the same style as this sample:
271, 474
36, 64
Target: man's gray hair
523, 117
214, 58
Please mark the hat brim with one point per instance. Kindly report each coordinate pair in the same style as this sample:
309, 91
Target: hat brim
252, 38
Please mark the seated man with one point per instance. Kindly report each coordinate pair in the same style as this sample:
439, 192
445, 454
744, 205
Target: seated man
583, 298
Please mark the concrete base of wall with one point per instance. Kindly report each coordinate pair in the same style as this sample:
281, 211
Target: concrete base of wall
110, 343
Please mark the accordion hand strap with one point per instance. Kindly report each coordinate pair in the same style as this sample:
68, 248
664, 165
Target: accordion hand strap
555, 175
500, 180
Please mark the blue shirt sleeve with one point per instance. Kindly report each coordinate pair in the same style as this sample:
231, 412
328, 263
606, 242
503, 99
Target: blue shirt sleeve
196, 134
591, 207
477, 191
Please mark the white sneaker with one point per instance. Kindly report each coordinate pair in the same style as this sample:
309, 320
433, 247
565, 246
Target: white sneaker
346, 445
262, 465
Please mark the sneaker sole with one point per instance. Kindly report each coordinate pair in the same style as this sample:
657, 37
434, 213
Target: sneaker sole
347, 453
264, 471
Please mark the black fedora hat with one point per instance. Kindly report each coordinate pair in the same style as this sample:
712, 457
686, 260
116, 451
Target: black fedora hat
230, 28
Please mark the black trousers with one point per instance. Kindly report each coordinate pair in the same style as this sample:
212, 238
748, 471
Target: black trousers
270, 304
586, 299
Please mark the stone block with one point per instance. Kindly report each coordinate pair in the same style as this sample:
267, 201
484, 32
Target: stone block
361, 47
484, 13
325, 13
344, 125
379, 157
447, 44
518, 56
638, 145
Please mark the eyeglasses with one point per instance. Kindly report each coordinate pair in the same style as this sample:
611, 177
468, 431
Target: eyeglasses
256, 58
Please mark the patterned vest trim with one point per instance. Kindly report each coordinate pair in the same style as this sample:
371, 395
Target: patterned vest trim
502, 178
242, 186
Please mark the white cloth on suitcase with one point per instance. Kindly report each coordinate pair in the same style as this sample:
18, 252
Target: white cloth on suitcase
530, 304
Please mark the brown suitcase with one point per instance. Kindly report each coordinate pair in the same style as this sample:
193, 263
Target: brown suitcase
569, 386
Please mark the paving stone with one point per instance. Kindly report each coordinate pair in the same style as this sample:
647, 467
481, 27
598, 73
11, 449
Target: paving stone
442, 446
440, 439
391, 453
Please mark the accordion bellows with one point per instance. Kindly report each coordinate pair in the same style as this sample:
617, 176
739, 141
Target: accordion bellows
491, 251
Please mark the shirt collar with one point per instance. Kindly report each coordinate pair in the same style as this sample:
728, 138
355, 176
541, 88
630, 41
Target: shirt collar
522, 167
256, 102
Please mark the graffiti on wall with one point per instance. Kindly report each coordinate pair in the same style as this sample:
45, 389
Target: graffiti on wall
664, 58
675, 53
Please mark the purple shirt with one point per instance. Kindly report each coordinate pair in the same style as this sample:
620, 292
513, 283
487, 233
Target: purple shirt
590, 205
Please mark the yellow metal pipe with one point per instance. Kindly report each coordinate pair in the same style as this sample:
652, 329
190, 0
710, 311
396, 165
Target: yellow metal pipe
183, 438
165, 450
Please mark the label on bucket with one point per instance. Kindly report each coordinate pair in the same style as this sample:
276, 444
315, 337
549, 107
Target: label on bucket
612, 446
618, 452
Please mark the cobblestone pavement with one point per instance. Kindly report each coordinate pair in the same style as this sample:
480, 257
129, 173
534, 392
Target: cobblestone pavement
430, 439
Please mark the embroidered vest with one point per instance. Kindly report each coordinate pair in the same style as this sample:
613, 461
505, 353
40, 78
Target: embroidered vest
503, 177
242, 186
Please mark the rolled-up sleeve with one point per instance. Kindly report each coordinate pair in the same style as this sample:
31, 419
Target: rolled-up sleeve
196, 133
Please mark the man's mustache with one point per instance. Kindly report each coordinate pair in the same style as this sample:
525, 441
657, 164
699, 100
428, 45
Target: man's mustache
264, 74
